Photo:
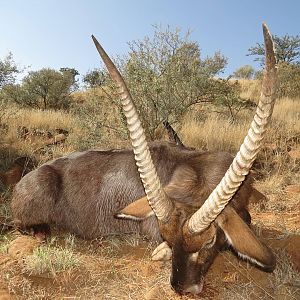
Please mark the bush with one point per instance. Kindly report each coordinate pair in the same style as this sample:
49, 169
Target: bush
43, 89
99, 119
8, 71
94, 78
166, 75
289, 80
228, 97
244, 72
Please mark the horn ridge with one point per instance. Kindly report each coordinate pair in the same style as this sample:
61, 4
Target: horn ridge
158, 200
244, 159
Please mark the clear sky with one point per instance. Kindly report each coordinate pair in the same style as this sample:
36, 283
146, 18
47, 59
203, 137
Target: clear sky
56, 33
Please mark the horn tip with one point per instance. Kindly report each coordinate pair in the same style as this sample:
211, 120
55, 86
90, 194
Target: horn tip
94, 39
265, 26
266, 31
98, 46
269, 45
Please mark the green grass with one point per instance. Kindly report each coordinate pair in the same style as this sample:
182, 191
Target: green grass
51, 259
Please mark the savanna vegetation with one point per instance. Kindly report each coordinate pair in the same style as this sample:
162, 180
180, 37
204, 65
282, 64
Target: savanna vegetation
50, 113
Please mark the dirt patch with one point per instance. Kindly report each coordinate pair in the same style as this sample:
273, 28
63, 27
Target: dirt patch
292, 190
284, 221
22, 246
291, 245
4, 295
121, 269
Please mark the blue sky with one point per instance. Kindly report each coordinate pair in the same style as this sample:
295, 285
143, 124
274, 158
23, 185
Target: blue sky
56, 33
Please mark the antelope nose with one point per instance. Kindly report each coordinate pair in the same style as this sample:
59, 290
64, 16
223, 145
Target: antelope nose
194, 289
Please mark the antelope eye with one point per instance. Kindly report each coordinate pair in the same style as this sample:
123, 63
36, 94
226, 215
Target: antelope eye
210, 242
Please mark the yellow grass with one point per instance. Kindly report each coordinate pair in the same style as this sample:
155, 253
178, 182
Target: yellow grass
250, 89
287, 111
215, 133
44, 119
42, 122
275, 168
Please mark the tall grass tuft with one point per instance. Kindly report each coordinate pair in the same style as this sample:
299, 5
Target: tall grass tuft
51, 260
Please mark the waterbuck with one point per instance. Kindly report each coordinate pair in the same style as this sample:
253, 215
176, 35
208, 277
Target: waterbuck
195, 201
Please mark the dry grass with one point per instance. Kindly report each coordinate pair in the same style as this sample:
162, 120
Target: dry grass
250, 89
214, 133
5, 211
287, 111
44, 119
39, 123
286, 281
4, 243
273, 184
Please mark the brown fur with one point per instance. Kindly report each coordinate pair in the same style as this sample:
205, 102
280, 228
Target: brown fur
82, 191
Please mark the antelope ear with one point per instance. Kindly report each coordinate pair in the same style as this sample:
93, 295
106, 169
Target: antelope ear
244, 241
138, 210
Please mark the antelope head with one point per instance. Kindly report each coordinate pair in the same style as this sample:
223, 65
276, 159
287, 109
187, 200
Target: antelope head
196, 234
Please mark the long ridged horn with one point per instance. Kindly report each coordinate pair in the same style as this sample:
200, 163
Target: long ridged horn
244, 159
158, 200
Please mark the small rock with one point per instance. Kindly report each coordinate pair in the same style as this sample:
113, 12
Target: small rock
270, 146
4, 295
292, 189
57, 139
294, 154
231, 278
154, 293
22, 246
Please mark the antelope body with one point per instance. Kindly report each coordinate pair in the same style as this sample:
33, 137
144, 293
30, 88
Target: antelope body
199, 199
82, 192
